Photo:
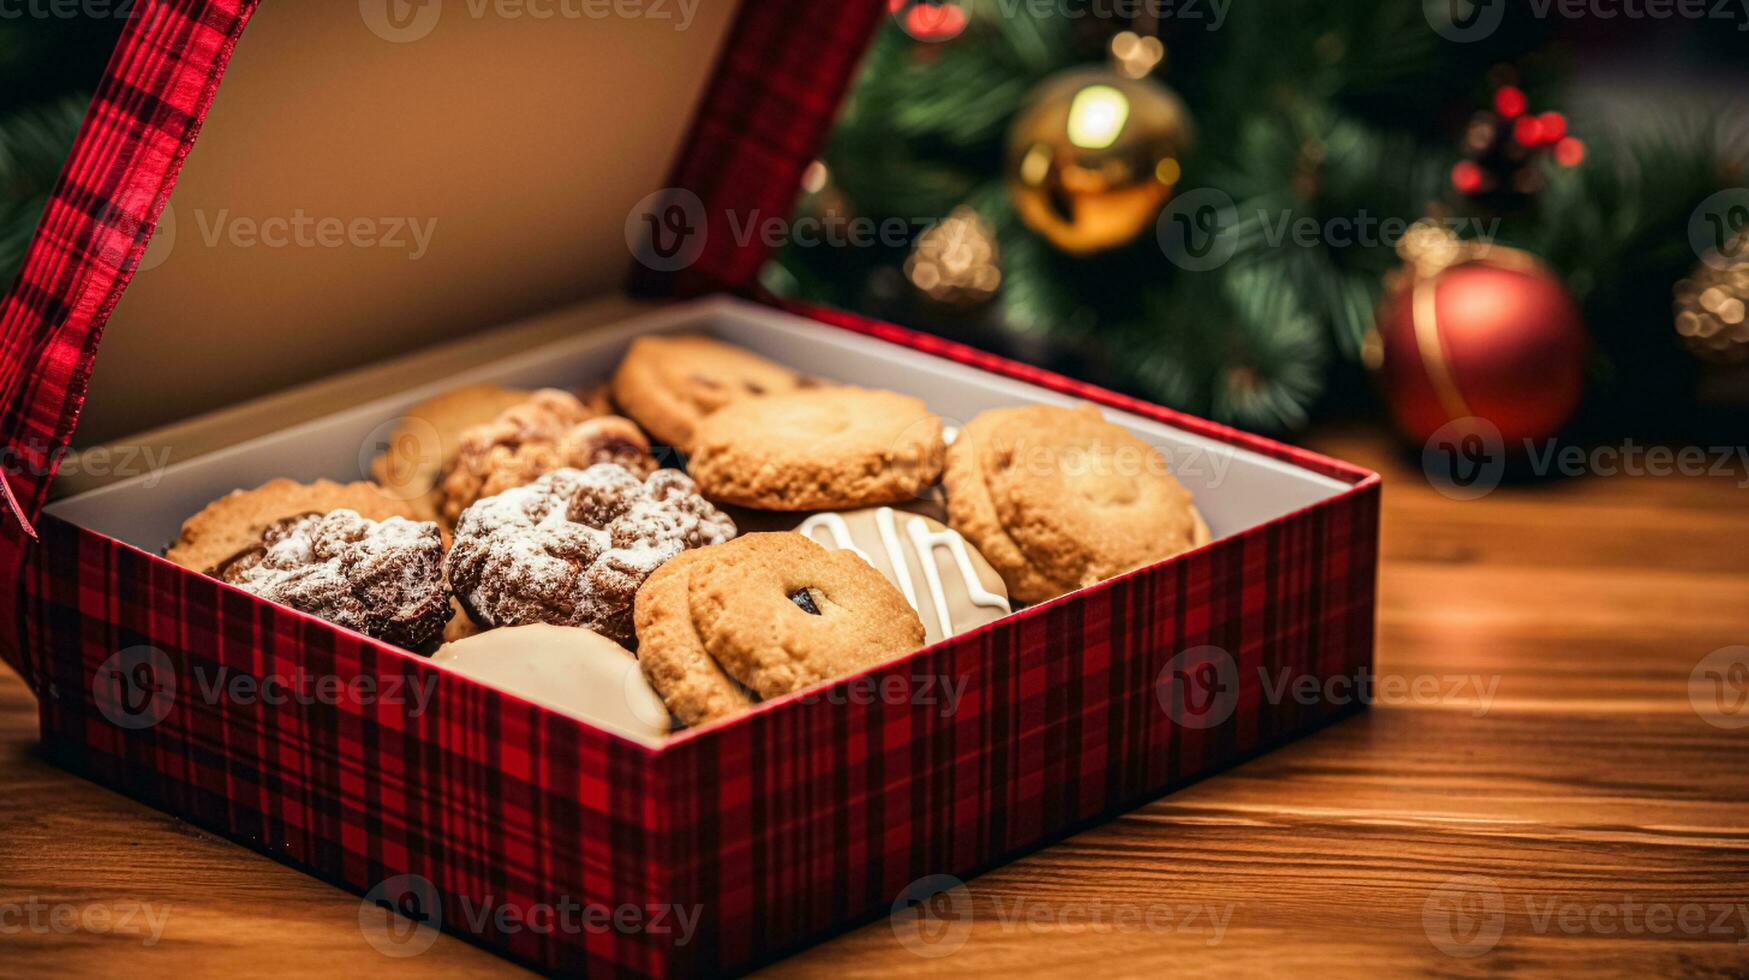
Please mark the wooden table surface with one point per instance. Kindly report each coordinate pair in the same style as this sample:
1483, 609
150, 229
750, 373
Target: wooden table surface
1551, 799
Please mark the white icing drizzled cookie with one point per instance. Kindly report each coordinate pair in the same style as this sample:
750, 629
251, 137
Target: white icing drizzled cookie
952, 587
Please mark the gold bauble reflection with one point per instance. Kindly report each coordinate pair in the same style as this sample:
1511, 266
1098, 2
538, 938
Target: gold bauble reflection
1094, 156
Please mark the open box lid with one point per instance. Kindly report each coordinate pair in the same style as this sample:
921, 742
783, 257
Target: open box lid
509, 144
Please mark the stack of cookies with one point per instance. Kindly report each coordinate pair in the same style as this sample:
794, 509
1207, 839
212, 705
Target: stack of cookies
869, 532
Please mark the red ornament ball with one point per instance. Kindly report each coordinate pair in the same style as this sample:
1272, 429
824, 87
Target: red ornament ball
1500, 341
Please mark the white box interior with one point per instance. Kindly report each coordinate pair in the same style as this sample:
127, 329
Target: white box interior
1235, 489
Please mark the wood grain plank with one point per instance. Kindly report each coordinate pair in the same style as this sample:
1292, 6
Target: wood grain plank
1330, 852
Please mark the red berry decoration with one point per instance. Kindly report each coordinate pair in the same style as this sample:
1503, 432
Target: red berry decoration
1473, 330
1503, 148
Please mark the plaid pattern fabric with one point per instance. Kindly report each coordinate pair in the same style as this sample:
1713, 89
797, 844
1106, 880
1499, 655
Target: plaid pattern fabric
773, 829
142, 121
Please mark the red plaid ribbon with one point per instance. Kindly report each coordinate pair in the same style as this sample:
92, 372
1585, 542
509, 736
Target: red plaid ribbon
142, 121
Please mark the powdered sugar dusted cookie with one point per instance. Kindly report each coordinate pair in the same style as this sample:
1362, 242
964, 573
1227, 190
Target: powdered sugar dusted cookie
952, 586
383, 579
573, 547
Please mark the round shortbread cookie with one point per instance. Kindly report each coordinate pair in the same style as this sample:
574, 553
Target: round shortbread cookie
667, 384
424, 442
671, 654
1079, 499
779, 612
818, 449
972, 513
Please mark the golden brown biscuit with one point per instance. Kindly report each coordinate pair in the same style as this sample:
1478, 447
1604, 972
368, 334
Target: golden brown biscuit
1059, 499
779, 612
550, 430
424, 443
235, 522
818, 449
599, 399
666, 384
671, 654
972, 513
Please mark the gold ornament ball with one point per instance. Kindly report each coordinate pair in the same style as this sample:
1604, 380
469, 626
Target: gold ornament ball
1712, 306
1094, 156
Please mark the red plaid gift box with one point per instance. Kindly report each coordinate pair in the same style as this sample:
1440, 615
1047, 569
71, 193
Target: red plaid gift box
723, 847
